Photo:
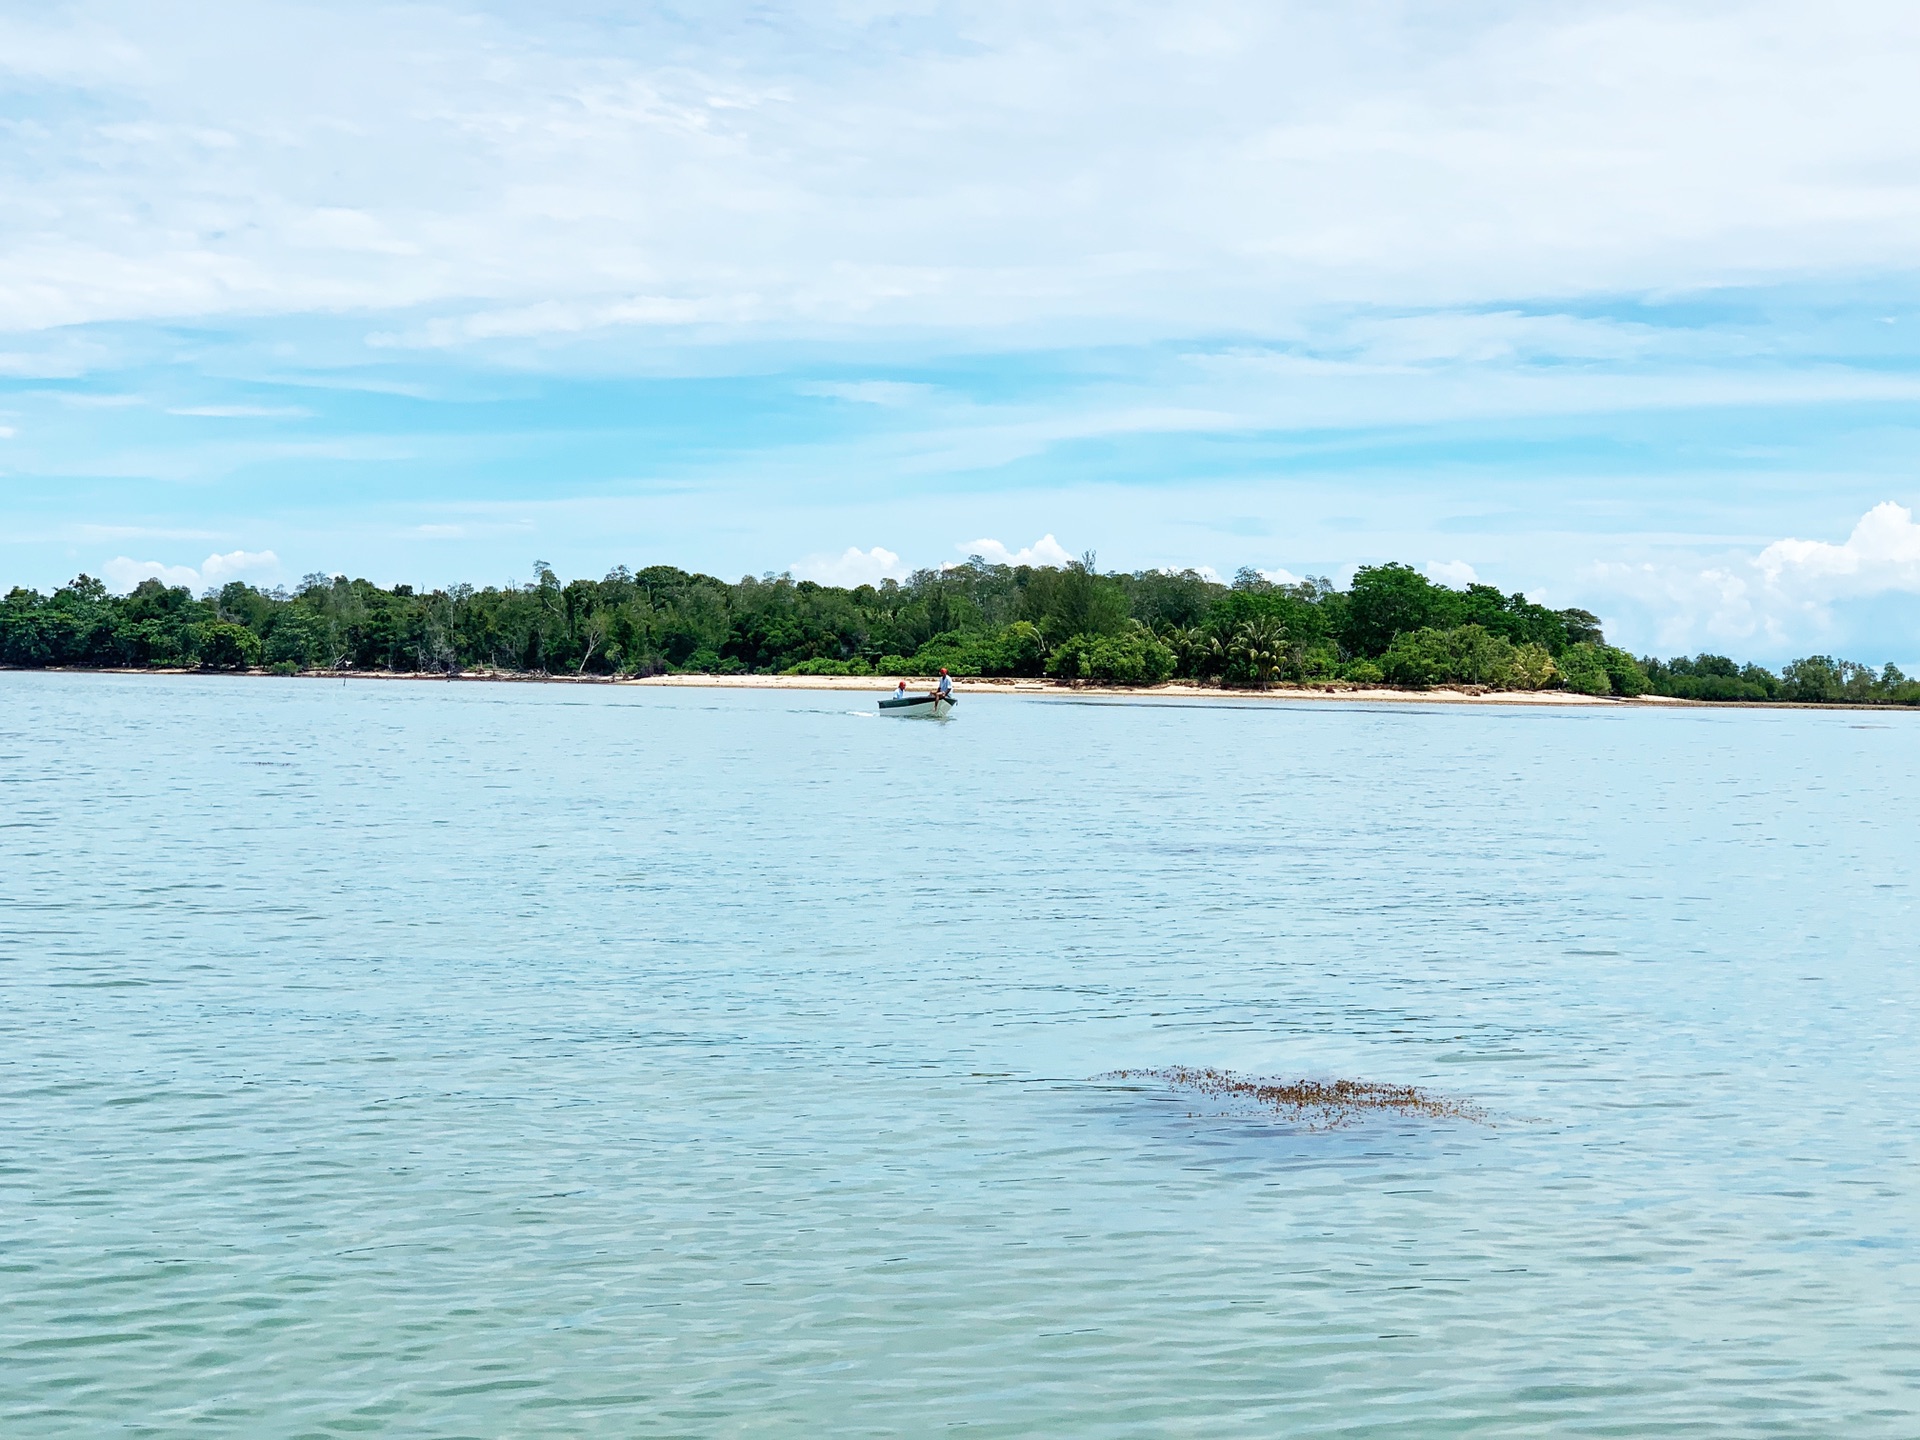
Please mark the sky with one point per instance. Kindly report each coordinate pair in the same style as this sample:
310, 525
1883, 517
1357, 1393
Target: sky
1616, 304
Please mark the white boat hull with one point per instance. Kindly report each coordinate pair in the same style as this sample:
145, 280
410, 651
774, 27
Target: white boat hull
919, 707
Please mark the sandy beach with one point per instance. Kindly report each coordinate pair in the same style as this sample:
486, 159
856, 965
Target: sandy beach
879, 685
1174, 690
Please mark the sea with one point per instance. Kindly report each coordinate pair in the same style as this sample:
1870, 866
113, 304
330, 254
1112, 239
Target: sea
493, 1059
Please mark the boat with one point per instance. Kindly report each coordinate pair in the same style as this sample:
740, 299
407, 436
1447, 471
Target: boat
918, 707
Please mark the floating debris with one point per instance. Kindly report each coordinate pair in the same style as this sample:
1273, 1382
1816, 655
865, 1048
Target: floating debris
1327, 1104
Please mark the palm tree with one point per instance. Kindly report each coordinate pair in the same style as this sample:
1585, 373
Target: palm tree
1196, 650
1260, 644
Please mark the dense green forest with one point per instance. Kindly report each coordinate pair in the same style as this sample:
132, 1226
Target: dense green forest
1390, 626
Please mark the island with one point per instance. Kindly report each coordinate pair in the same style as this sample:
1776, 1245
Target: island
1391, 627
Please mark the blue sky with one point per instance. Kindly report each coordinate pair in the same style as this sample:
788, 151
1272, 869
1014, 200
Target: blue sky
1615, 304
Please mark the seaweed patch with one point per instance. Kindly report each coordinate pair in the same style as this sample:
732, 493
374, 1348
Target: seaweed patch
1324, 1104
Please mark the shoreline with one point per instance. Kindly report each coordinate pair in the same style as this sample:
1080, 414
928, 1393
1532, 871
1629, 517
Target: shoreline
1184, 691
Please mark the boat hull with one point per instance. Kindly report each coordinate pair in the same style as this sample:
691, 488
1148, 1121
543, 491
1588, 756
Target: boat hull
919, 707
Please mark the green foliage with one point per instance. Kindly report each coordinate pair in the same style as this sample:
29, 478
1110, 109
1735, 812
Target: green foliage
1624, 675
1258, 649
1711, 677
1467, 655
1583, 671
1822, 679
1133, 658
1384, 602
855, 666
1022, 650
1394, 624
226, 646
1533, 667
1074, 600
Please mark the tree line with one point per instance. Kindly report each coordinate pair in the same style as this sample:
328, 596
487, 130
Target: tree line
1391, 626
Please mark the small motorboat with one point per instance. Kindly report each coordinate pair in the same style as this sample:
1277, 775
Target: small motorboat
918, 707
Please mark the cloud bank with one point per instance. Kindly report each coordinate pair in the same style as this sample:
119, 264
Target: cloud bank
852, 567
1790, 595
1044, 551
122, 573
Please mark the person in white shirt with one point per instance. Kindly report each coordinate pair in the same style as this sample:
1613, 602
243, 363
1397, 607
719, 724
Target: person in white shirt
901, 692
945, 688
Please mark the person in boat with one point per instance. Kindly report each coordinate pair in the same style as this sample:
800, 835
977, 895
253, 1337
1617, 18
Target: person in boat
944, 690
900, 691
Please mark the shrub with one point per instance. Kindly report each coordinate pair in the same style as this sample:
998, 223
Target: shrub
1069, 658
1135, 658
1624, 674
1419, 657
1021, 650
960, 653
1319, 663
1362, 672
853, 666
1482, 658
1533, 667
1583, 671
228, 647
1016, 649
297, 638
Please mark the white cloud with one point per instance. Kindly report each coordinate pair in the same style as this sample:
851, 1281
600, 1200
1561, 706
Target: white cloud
1457, 573
1882, 554
1179, 170
1044, 551
7, 432
853, 566
1783, 598
123, 573
218, 569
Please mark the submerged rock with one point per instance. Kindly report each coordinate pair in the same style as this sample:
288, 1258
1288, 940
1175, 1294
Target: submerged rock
1325, 1103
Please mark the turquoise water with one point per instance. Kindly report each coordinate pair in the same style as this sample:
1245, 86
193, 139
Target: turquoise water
497, 1060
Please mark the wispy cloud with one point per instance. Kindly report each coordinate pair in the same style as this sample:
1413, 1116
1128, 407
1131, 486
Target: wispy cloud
888, 393
977, 167
727, 284
242, 412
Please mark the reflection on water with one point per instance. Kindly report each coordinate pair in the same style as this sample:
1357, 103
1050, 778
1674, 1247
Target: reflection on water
505, 1059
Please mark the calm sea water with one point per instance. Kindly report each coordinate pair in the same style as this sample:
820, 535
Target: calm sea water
531, 1060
